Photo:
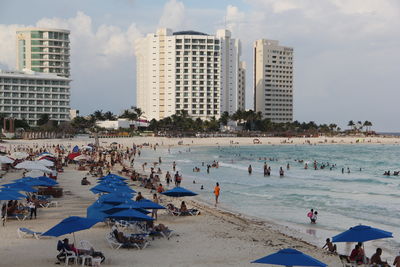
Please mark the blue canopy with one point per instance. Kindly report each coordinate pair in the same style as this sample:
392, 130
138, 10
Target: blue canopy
179, 192
115, 197
9, 195
71, 225
130, 215
361, 233
112, 176
21, 187
40, 181
96, 210
290, 257
75, 149
108, 188
148, 204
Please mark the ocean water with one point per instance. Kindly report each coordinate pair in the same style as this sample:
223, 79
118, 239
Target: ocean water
342, 200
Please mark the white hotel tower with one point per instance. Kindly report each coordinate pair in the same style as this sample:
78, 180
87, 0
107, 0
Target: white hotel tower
190, 71
273, 80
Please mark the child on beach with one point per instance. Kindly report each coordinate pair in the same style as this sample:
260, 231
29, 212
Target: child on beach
216, 193
314, 217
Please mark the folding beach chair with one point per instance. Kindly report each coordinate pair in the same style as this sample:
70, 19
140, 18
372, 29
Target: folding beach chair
23, 232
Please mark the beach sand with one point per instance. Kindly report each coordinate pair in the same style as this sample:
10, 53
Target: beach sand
214, 238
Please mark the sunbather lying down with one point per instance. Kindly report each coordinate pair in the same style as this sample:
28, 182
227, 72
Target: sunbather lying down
121, 238
183, 211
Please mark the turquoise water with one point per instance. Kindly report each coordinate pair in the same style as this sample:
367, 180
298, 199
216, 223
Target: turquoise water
341, 199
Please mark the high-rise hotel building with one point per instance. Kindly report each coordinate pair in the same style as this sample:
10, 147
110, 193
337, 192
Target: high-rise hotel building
44, 50
273, 80
42, 84
190, 71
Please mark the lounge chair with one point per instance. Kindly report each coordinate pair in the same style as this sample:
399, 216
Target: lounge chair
166, 234
23, 232
18, 216
171, 209
114, 244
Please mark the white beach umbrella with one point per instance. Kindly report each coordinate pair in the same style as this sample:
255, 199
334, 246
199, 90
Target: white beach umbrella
34, 173
19, 155
4, 159
87, 147
46, 162
31, 165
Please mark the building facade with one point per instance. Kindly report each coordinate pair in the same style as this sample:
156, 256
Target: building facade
189, 71
27, 95
43, 50
242, 86
273, 80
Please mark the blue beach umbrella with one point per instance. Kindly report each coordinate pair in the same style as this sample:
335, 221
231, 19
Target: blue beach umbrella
130, 215
115, 198
96, 210
290, 257
361, 233
21, 187
75, 149
10, 195
179, 192
71, 225
148, 204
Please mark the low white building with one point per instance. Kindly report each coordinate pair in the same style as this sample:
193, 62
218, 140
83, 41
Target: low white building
27, 95
122, 124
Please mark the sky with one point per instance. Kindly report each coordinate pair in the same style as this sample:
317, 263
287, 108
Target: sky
346, 52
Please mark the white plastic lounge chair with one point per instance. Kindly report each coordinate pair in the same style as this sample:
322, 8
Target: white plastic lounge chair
114, 244
23, 232
70, 255
166, 234
85, 245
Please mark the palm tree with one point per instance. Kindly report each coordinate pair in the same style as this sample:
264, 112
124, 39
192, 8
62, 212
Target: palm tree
224, 118
109, 116
98, 115
351, 124
332, 126
360, 125
139, 112
368, 125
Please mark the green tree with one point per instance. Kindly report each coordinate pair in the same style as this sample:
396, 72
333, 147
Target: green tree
44, 119
224, 118
351, 124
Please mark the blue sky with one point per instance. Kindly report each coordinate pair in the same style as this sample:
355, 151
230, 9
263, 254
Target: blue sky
346, 51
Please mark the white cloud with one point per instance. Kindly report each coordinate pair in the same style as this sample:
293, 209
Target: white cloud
173, 15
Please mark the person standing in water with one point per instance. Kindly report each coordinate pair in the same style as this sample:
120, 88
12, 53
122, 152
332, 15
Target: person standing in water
216, 193
250, 169
281, 172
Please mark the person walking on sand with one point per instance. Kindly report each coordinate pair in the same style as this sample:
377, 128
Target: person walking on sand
216, 193
154, 211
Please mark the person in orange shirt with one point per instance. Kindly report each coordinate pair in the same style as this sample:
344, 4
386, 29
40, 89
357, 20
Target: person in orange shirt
216, 193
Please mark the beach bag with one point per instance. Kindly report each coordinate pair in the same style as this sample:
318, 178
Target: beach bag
310, 214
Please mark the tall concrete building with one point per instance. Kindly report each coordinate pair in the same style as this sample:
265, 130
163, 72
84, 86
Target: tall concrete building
187, 70
43, 50
273, 80
27, 95
242, 86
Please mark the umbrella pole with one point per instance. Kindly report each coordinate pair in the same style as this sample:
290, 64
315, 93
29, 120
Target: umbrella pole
74, 239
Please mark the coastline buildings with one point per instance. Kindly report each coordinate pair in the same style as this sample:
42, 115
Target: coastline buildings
41, 84
27, 95
273, 80
43, 50
190, 71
